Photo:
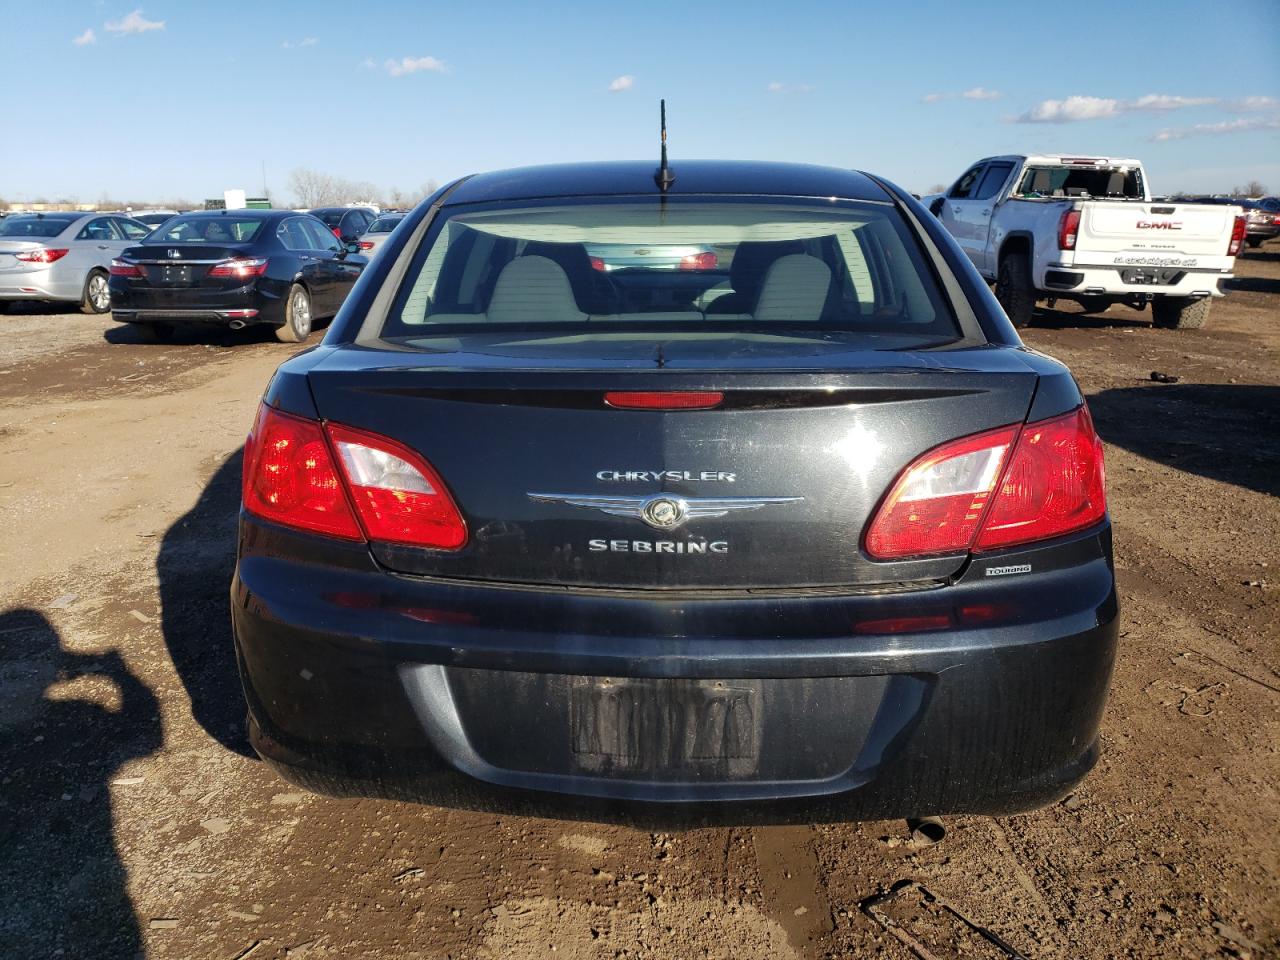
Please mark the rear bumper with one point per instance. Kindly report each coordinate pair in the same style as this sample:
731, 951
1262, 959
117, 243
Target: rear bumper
363, 683
1108, 281
41, 284
261, 302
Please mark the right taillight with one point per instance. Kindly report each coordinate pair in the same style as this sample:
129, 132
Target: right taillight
1238, 232
1068, 227
993, 490
341, 482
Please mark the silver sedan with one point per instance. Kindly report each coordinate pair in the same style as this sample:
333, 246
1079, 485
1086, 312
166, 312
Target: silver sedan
62, 256
378, 232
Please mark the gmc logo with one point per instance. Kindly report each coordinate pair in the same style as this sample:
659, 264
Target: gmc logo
1159, 224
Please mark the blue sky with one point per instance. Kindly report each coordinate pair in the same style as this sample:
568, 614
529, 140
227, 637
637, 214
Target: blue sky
172, 99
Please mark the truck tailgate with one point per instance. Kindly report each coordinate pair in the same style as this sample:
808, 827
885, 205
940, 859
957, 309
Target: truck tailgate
1188, 229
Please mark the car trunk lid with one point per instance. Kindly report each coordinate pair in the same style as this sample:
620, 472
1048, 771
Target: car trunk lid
774, 485
172, 265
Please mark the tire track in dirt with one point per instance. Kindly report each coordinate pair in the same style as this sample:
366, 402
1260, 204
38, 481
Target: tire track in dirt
790, 886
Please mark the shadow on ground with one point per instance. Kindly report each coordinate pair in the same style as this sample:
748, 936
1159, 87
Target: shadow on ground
1226, 432
189, 334
1117, 318
68, 722
194, 567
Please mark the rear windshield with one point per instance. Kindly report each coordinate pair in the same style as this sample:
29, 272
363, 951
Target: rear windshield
207, 230
1102, 183
331, 218
384, 224
33, 226
692, 263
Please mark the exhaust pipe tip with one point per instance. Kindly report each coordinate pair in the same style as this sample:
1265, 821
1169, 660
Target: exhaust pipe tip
237, 324
926, 831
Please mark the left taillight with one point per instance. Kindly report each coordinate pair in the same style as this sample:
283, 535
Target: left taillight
241, 268
123, 268
1003, 488
290, 477
342, 482
1239, 230
43, 255
1068, 228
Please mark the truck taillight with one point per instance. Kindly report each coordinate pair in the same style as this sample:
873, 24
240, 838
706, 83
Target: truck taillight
994, 490
1238, 232
345, 483
1068, 227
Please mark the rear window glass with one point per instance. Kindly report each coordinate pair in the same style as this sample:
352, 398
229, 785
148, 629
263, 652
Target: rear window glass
689, 262
33, 226
1068, 181
331, 218
207, 230
384, 224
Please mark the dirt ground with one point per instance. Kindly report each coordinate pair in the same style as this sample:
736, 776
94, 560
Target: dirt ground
134, 821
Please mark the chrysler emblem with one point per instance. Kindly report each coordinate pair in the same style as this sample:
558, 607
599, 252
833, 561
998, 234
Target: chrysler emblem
662, 511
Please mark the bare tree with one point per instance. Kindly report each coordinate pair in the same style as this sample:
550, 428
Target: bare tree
937, 188
1255, 189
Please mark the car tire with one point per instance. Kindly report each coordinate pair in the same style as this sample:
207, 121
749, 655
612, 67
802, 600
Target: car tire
153, 332
1095, 304
1179, 313
4, 306
1253, 241
1014, 289
96, 297
297, 316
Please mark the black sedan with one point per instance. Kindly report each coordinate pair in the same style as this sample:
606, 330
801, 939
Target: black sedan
809, 528
234, 267
347, 223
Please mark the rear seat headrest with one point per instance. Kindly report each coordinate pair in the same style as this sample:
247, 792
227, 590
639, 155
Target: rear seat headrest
534, 289
795, 289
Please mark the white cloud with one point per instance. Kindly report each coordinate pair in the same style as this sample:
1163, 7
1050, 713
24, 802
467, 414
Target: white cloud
1239, 125
85, 38
1250, 104
1160, 101
934, 97
135, 22
777, 87
622, 83
304, 42
981, 93
1070, 110
1094, 108
407, 65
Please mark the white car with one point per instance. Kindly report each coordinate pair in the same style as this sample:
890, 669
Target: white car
1086, 229
62, 256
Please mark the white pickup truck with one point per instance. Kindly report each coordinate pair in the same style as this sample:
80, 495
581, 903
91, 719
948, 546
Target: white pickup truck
1086, 229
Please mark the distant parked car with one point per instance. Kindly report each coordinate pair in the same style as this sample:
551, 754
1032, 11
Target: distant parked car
62, 256
347, 223
235, 268
1262, 217
153, 218
377, 233
1262, 220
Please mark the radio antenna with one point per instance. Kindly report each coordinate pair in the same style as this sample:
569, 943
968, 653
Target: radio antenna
663, 177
